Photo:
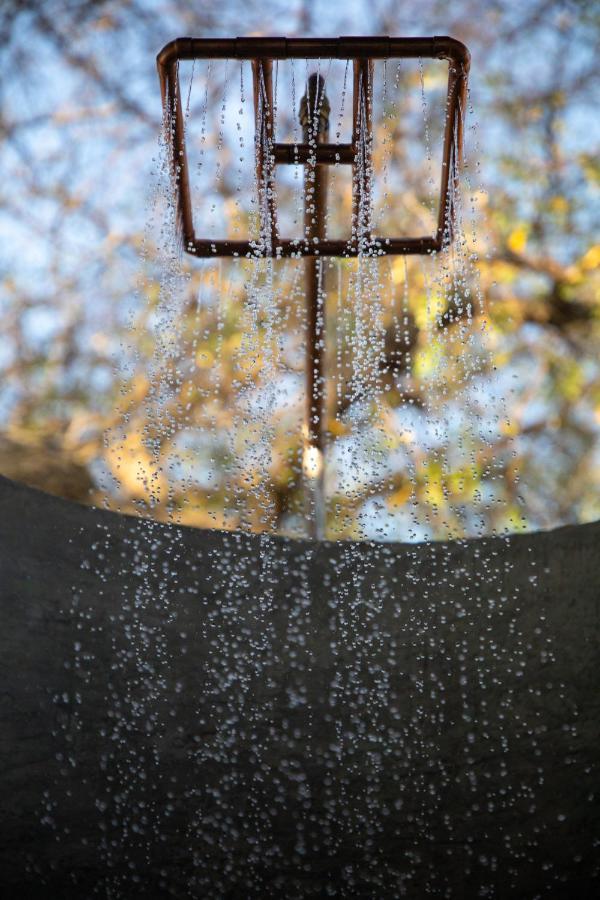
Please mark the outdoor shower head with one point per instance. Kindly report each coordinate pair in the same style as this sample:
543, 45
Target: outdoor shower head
262, 51
316, 154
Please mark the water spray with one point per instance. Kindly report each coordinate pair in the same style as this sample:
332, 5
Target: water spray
315, 153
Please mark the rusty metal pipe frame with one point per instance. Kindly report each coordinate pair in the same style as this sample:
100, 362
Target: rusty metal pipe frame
315, 153
262, 51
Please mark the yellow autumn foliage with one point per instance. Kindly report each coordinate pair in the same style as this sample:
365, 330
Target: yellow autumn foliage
591, 259
135, 470
517, 239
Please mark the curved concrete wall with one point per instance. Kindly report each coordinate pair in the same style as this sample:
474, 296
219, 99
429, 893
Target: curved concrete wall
203, 714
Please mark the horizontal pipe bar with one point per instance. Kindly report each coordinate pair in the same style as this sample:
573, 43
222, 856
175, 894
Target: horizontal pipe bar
321, 153
443, 47
288, 248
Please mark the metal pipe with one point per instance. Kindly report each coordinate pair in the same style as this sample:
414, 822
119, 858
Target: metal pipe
314, 119
315, 153
297, 247
297, 154
439, 47
453, 147
262, 77
362, 141
262, 51
174, 126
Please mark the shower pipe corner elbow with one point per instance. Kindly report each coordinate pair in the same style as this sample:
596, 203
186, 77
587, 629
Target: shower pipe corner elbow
180, 48
453, 50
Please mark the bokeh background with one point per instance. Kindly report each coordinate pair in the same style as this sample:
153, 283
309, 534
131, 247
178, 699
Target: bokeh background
80, 119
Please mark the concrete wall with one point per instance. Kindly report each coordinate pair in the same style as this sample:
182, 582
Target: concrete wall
202, 714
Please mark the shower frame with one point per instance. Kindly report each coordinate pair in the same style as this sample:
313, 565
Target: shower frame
316, 155
262, 51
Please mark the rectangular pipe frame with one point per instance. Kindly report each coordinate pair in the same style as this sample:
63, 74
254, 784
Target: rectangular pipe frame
262, 51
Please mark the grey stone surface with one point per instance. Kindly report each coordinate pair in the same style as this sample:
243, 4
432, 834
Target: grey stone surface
203, 714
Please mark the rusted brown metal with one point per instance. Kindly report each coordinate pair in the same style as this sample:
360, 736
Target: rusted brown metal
315, 153
262, 77
175, 132
362, 142
262, 51
381, 47
453, 147
298, 154
299, 248
314, 118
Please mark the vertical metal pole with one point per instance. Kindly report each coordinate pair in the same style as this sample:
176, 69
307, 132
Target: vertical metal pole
362, 117
314, 118
262, 77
